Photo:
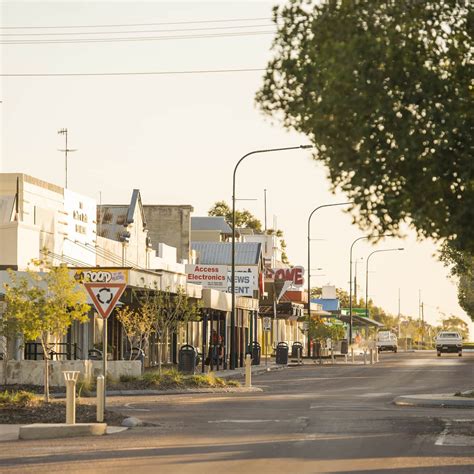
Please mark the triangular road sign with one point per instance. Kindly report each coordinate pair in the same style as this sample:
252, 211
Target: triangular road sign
105, 296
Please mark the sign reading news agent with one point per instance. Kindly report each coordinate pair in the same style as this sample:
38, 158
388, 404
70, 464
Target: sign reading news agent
209, 276
246, 280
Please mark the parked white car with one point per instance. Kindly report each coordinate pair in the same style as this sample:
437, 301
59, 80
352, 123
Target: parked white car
387, 341
449, 341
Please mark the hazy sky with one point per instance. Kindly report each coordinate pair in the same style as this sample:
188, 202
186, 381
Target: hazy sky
177, 137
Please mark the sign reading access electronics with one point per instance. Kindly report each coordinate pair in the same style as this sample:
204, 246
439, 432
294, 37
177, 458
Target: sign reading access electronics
209, 276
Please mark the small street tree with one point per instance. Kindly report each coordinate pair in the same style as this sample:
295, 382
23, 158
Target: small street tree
168, 312
8, 332
137, 325
43, 305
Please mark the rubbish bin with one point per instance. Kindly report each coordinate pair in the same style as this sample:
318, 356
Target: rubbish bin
187, 359
344, 346
297, 350
282, 353
256, 352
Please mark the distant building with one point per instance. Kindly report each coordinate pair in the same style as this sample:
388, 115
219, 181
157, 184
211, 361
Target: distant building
210, 229
170, 225
40, 220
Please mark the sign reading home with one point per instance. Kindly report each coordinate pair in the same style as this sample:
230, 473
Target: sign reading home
209, 276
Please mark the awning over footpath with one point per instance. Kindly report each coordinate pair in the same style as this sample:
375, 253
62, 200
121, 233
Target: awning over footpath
360, 321
285, 310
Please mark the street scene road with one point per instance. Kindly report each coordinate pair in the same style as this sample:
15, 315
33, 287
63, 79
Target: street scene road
312, 418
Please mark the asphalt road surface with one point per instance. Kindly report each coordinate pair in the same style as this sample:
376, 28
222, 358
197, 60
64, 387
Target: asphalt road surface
307, 419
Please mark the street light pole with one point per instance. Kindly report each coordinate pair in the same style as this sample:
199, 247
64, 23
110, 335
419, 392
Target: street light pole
233, 353
367, 278
350, 278
309, 258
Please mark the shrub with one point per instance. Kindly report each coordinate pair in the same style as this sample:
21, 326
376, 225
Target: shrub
16, 399
233, 383
128, 378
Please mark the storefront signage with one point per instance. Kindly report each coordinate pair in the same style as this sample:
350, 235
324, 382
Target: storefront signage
101, 275
294, 275
246, 280
209, 276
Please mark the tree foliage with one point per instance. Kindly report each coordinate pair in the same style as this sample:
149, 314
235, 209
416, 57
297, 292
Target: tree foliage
384, 91
43, 305
462, 269
137, 325
167, 312
242, 218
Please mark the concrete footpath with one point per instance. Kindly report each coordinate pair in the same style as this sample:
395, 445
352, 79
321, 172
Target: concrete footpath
441, 400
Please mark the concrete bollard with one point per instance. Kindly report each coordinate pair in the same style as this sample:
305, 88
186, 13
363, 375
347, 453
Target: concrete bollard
365, 356
372, 357
100, 398
376, 355
332, 355
345, 358
352, 355
70, 376
248, 370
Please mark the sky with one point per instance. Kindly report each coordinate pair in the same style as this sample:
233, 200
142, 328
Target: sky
177, 137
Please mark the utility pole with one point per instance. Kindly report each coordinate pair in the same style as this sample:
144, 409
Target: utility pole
399, 315
265, 207
422, 325
63, 131
419, 315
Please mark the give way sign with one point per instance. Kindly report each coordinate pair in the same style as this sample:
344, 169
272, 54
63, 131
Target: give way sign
105, 296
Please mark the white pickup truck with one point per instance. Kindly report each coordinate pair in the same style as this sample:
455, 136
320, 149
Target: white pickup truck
387, 341
448, 341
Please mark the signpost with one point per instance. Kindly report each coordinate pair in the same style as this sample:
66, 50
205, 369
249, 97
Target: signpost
104, 287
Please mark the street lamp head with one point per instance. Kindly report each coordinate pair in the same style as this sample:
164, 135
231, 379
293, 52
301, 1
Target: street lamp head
401, 248
62, 131
305, 147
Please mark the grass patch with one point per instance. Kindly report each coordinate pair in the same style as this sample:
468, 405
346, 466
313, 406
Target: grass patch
468, 394
173, 379
128, 378
170, 378
233, 383
16, 399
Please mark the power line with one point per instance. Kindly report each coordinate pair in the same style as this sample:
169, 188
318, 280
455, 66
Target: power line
132, 24
77, 33
142, 38
137, 73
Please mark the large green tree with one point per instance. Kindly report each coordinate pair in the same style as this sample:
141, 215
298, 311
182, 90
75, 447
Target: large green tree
384, 91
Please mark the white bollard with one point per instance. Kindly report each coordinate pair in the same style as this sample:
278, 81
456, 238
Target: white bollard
70, 376
100, 398
365, 356
332, 355
376, 355
371, 357
248, 370
345, 358
352, 355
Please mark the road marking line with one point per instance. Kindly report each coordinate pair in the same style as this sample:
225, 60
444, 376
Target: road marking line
440, 440
246, 421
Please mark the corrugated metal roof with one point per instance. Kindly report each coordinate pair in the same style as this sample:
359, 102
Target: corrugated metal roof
220, 253
210, 223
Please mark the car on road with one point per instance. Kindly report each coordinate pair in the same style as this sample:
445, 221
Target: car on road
387, 341
448, 342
